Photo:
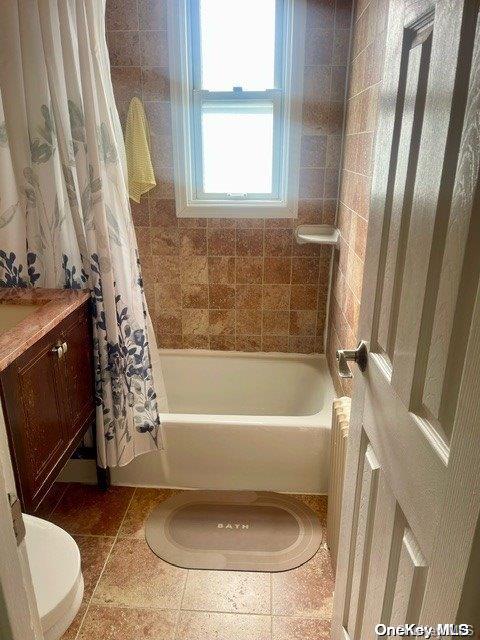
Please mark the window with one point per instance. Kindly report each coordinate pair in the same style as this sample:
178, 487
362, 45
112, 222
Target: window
236, 105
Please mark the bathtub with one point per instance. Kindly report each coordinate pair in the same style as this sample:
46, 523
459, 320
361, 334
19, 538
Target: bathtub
241, 421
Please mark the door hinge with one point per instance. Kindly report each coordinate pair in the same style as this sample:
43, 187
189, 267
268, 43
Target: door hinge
17, 518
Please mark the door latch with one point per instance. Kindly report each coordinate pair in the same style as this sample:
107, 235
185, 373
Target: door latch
17, 518
358, 355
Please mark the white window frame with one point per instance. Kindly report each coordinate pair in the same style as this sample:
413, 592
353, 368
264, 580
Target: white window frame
288, 99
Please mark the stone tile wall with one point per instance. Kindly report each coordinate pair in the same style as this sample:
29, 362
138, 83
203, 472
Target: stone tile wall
234, 284
365, 74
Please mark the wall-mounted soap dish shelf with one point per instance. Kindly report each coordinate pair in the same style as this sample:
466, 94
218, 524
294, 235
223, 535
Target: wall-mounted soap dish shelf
317, 234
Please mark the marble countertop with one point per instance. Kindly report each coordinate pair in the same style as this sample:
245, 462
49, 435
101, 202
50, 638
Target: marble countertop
53, 306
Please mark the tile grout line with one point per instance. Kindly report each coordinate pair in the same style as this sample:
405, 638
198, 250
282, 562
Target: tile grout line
262, 336
105, 563
176, 626
235, 284
290, 285
207, 251
315, 334
293, 616
235, 309
271, 606
177, 623
264, 256
182, 284
228, 613
91, 535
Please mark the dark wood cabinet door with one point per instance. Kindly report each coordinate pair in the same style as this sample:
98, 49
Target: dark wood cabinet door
48, 399
32, 389
78, 372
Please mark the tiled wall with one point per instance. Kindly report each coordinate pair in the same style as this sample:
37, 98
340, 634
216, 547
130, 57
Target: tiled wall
234, 284
365, 73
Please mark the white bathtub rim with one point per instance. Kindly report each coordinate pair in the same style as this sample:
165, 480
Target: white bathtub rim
270, 355
318, 420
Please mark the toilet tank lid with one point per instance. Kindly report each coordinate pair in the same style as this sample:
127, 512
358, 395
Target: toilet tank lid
54, 560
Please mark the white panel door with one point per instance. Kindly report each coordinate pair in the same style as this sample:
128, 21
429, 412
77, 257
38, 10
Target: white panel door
412, 488
18, 608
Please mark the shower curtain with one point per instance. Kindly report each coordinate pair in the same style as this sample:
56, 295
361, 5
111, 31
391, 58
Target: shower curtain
65, 218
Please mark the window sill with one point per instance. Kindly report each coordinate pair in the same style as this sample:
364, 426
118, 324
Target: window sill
252, 209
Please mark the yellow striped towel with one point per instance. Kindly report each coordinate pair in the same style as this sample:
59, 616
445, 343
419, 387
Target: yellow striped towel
137, 143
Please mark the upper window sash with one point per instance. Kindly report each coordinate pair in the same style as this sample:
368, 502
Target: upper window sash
194, 35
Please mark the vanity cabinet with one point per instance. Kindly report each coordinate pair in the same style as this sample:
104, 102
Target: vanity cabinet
48, 400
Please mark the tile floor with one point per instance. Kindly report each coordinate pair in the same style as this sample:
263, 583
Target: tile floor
132, 594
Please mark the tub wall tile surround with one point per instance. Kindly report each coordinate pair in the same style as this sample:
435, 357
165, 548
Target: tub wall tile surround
232, 283
365, 73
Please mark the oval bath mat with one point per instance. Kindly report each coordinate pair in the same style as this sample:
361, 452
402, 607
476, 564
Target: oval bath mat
233, 530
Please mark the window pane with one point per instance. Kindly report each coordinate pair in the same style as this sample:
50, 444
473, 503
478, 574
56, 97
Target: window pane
237, 44
237, 147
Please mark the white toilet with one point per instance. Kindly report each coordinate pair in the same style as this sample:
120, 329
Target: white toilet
54, 560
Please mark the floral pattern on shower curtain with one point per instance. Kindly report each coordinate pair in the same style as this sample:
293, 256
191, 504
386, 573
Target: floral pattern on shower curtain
65, 219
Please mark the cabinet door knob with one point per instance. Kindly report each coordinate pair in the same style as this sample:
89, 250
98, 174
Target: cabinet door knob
58, 349
64, 347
